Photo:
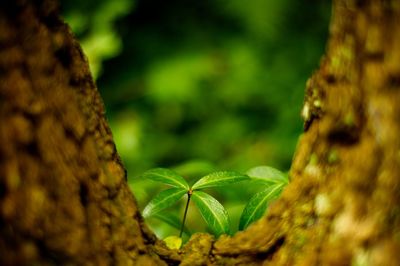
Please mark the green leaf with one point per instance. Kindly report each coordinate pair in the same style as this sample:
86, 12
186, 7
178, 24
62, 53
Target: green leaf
166, 176
219, 179
163, 200
172, 220
258, 204
267, 175
213, 212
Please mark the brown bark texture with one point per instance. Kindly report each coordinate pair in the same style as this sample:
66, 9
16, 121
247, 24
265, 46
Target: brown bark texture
63, 194
64, 199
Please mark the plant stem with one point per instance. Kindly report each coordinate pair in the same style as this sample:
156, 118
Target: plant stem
186, 210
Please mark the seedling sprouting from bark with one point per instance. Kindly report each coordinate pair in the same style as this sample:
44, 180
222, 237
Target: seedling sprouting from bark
274, 182
211, 210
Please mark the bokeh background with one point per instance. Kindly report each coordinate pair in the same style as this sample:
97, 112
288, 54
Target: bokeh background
199, 86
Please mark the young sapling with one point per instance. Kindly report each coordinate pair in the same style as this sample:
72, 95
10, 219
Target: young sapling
210, 209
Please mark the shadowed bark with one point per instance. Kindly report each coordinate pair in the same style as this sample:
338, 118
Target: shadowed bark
64, 199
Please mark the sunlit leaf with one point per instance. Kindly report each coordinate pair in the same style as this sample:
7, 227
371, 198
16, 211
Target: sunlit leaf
163, 200
258, 204
213, 212
219, 179
172, 220
166, 176
267, 174
173, 242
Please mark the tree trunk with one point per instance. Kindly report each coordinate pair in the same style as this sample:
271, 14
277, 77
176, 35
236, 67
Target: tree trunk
64, 199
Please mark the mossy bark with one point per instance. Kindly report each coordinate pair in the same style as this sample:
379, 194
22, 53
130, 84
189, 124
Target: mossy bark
63, 192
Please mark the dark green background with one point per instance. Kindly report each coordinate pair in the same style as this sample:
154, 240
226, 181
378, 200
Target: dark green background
199, 86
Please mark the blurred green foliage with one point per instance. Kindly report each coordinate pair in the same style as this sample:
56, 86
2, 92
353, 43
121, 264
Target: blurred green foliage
199, 86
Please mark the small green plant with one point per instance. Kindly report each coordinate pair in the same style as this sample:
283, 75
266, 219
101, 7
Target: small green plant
274, 182
211, 210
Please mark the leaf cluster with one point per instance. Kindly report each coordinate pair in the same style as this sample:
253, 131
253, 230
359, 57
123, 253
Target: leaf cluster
212, 211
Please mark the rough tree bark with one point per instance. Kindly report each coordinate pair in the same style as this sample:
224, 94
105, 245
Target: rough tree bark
64, 199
